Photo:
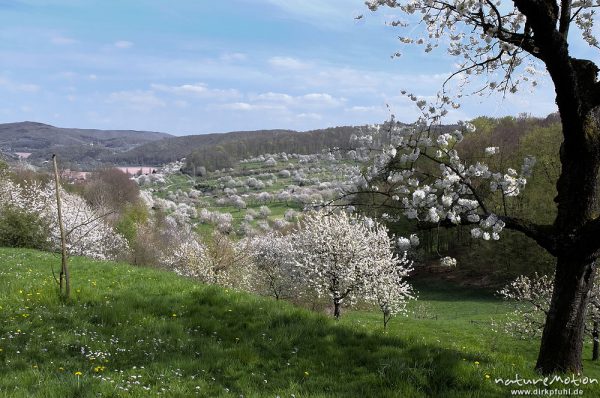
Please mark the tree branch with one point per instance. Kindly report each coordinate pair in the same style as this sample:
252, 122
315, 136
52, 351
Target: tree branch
544, 235
565, 17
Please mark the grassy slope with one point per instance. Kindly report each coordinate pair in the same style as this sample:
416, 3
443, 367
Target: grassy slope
156, 333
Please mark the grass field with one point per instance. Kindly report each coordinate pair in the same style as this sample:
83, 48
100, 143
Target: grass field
140, 332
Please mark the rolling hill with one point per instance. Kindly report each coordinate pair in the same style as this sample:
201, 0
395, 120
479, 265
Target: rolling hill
88, 149
72, 144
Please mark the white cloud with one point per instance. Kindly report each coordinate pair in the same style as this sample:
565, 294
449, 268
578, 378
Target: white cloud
123, 44
245, 106
310, 100
288, 63
321, 99
274, 97
18, 87
313, 116
198, 90
364, 108
137, 99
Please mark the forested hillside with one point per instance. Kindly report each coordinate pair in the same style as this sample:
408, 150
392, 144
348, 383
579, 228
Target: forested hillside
77, 147
90, 149
237, 146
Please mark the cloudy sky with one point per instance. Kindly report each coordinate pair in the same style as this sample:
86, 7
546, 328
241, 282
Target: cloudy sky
201, 66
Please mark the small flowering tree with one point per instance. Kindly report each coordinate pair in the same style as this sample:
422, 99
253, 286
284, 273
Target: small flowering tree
218, 261
533, 295
273, 256
86, 232
346, 257
386, 285
188, 258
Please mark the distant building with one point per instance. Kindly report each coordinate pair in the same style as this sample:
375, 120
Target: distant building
137, 170
74, 176
23, 155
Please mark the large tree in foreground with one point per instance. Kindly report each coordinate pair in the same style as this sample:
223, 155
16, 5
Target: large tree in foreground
497, 40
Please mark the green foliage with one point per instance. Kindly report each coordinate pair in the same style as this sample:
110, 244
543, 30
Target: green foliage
3, 167
19, 228
233, 147
132, 217
138, 332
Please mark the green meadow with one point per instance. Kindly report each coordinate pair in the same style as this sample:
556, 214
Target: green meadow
140, 332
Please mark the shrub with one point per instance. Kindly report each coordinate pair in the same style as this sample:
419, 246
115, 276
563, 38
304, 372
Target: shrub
19, 228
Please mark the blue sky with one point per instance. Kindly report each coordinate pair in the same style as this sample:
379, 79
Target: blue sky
201, 66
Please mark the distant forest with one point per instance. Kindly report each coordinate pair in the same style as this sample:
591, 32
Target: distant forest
91, 149
237, 146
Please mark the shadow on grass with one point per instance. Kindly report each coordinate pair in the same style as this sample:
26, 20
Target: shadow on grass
253, 346
179, 336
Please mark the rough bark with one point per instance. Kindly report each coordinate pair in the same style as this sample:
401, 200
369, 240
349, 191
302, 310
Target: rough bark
575, 82
596, 343
562, 339
337, 308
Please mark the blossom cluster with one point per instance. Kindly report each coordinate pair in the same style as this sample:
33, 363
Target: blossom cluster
417, 169
86, 231
348, 257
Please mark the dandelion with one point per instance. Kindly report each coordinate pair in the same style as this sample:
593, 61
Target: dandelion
78, 373
487, 376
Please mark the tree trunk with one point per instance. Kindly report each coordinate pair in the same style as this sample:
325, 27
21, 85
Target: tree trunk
337, 308
562, 339
596, 344
386, 318
65, 282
